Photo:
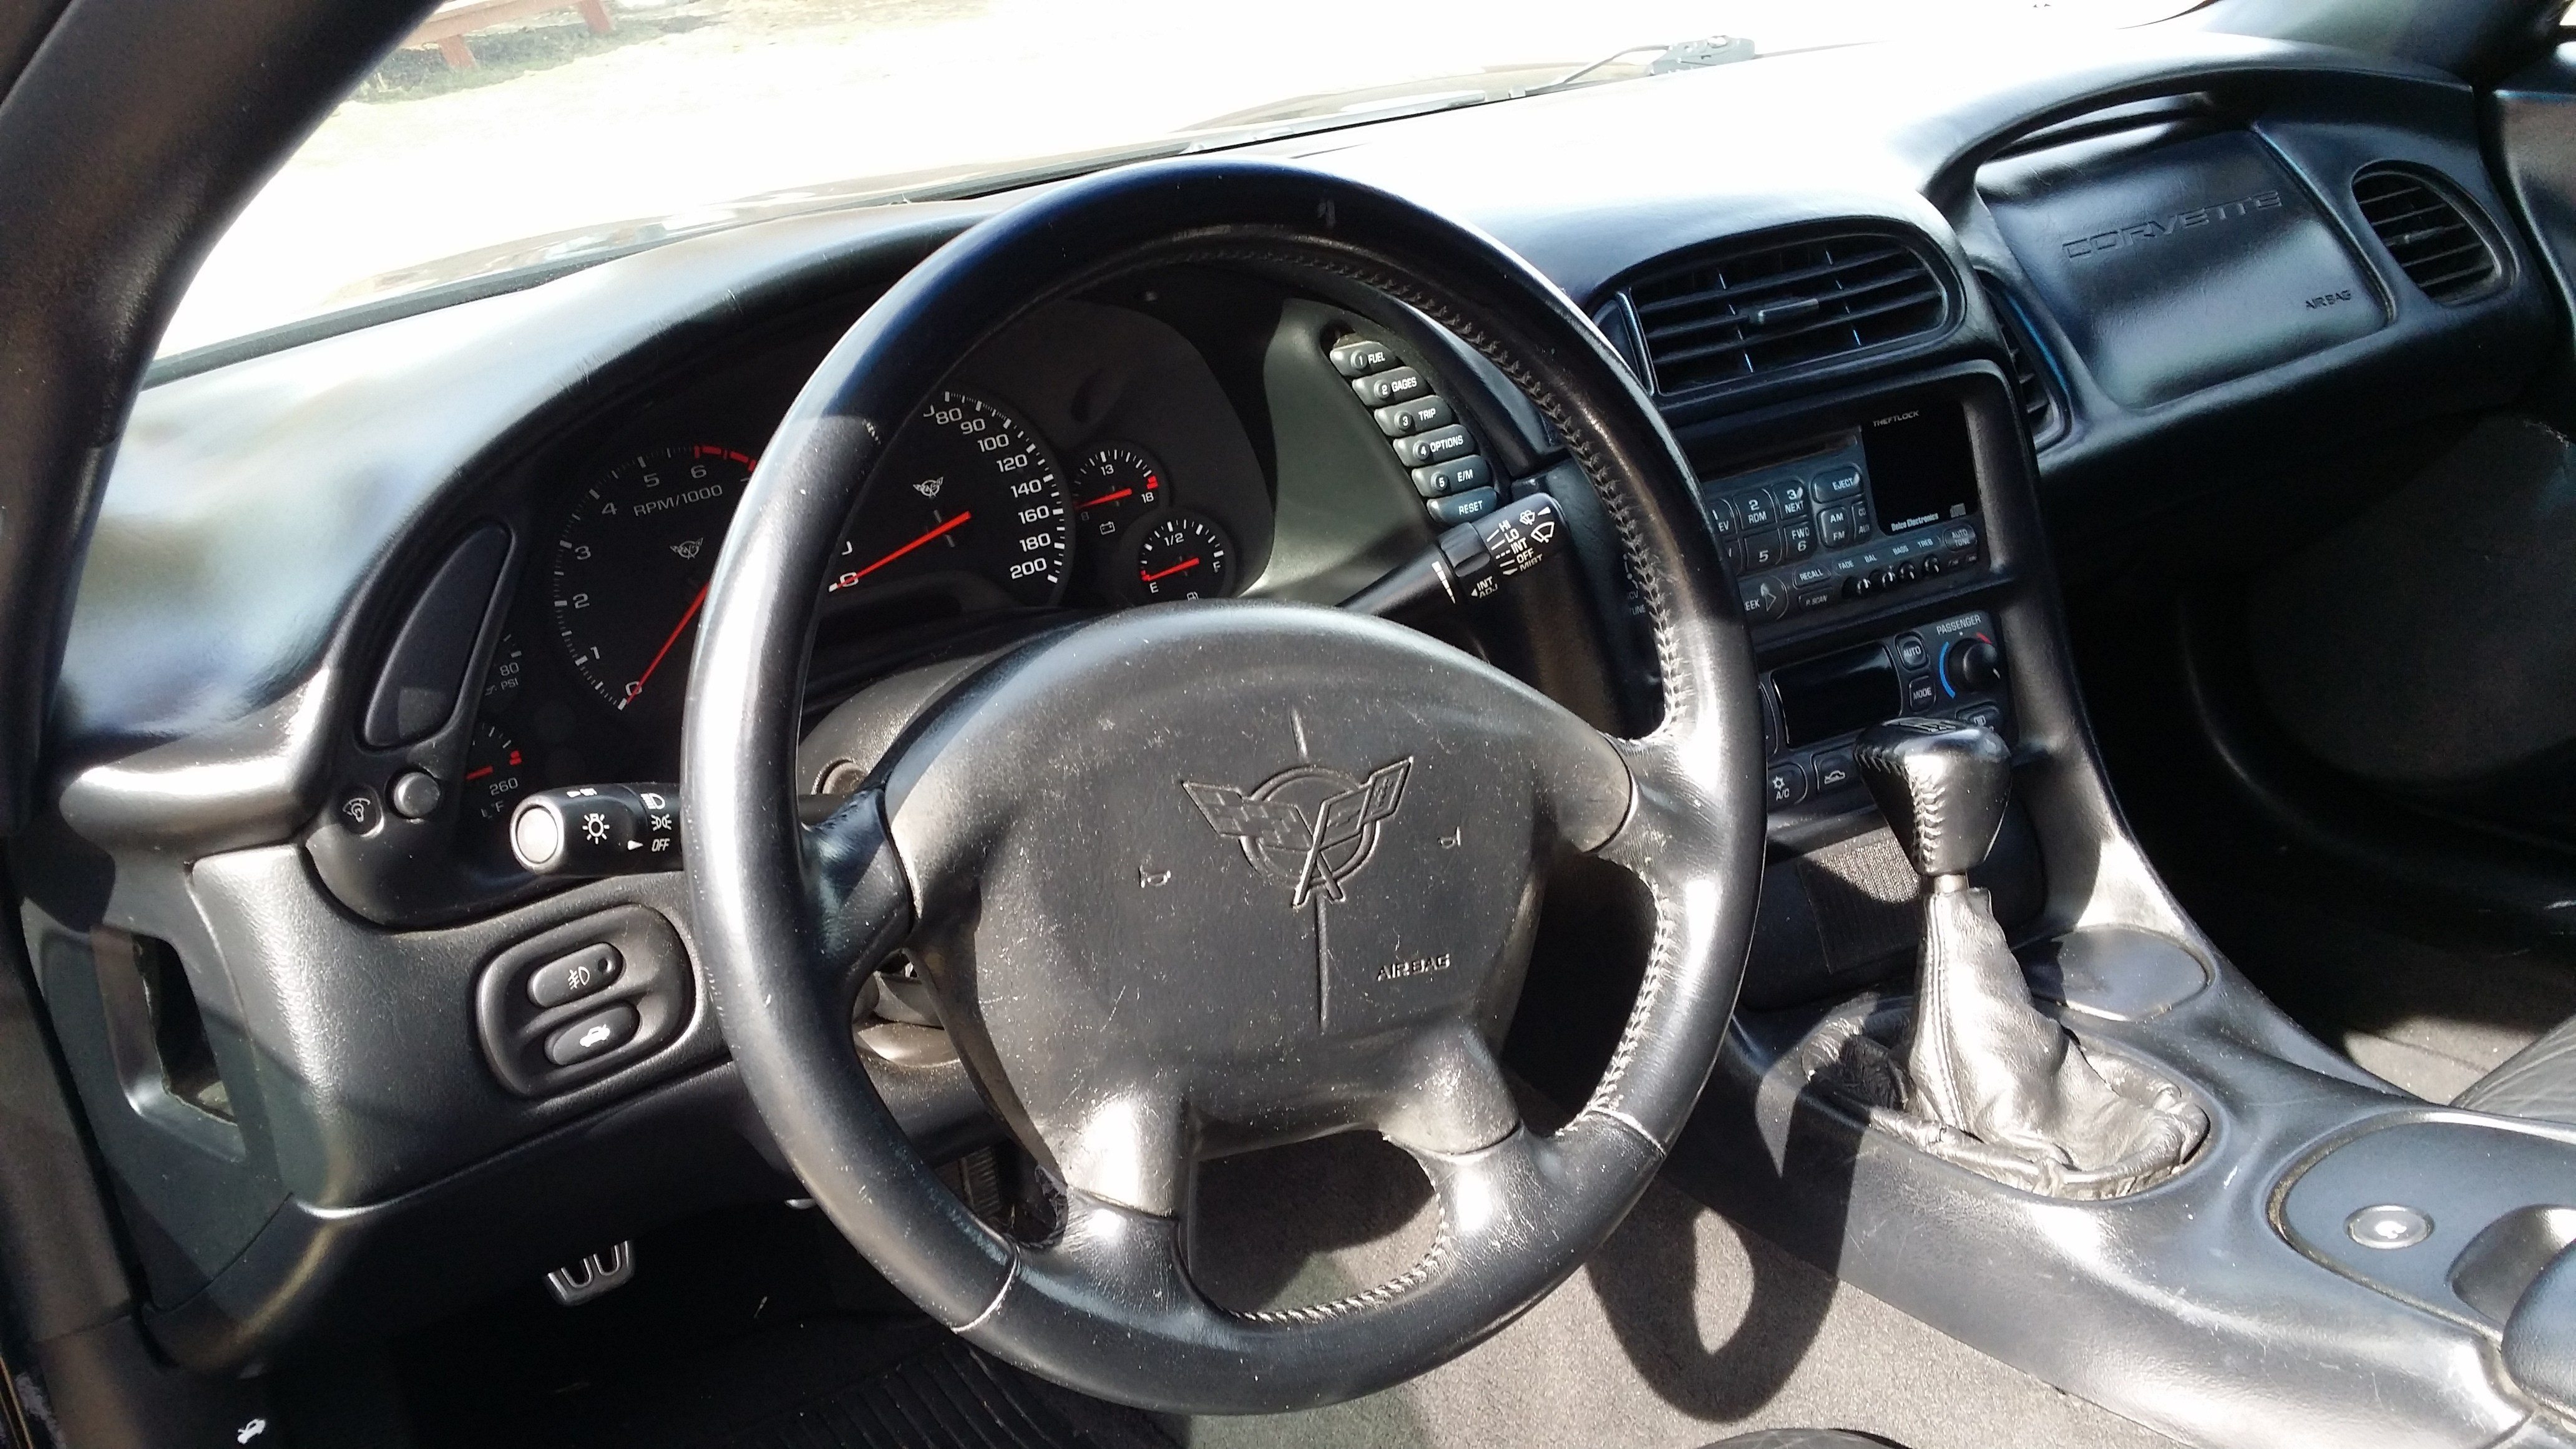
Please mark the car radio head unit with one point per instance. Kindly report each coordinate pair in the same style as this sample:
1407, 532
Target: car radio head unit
1846, 515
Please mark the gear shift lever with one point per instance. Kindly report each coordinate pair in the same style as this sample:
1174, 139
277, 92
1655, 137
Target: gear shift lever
1942, 786
1982, 1061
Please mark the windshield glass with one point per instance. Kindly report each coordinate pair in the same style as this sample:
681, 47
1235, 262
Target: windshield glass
506, 134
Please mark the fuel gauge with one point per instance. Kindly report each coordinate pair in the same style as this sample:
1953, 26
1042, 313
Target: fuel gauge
1181, 556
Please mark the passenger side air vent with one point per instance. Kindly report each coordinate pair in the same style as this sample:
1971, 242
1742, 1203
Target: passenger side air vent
1748, 311
2440, 251
2043, 413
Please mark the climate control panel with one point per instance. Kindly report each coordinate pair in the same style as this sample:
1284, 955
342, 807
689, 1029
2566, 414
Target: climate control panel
1953, 668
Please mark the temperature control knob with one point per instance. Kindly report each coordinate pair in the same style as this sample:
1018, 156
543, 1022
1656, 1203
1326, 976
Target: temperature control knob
1974, 665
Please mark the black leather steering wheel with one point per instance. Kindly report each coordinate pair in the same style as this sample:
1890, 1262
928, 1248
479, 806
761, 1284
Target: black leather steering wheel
1200, 877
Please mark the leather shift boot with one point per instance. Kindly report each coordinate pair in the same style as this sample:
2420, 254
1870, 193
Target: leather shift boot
1985, 1062
1973, 1072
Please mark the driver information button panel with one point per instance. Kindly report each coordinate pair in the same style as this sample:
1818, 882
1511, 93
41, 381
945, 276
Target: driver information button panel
577, 1002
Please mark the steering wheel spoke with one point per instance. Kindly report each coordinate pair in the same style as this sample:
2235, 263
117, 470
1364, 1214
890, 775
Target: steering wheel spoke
1454, 1099
857, 898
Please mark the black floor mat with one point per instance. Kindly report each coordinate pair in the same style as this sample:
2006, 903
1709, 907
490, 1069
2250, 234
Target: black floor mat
950, 1397
812, 1387
750, 1329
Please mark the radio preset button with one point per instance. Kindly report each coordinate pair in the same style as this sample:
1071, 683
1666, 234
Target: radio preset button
1801, 538
1793, 499
1762, 550
1721, 517
1757, 508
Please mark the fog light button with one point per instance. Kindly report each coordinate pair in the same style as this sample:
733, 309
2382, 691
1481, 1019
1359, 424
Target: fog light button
579, 974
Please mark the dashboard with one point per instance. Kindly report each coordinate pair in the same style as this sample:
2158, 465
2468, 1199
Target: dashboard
1991, 315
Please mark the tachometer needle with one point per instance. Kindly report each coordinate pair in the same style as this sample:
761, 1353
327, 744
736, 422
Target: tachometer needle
845, 580
1182, 566
662, 653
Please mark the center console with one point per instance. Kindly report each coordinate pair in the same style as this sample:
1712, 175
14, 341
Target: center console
2401, 1273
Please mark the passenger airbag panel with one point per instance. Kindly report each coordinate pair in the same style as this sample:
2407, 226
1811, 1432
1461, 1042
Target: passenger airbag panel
2176, 264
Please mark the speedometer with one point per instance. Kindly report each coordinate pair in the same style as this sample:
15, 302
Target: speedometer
969, 501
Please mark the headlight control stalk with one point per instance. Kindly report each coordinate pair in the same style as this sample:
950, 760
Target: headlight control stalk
596, 830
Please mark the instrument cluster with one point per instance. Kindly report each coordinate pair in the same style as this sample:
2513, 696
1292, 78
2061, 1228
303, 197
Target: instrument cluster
975, 520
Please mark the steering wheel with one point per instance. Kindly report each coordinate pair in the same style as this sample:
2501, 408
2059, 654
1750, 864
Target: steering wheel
1202, 877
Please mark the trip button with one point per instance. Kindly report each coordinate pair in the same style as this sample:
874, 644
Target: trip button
1785, 783
579, 974
1401, 384
594, 1035
1398, 420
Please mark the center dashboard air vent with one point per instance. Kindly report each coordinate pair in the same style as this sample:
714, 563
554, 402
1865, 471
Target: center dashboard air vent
1739, 312
2439, 249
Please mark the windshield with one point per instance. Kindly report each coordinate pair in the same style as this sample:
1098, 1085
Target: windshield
510, 134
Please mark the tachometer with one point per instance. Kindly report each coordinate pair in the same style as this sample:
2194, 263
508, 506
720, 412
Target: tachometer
632, 563
968, 499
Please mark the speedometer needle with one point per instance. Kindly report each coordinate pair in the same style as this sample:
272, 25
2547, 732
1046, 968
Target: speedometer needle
662, 653
1183, 565
845, 580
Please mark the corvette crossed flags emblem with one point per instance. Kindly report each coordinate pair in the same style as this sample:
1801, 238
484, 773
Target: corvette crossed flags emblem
1309, 825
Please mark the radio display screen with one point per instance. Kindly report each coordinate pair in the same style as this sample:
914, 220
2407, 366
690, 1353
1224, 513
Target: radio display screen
1822, 698
1921, 469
